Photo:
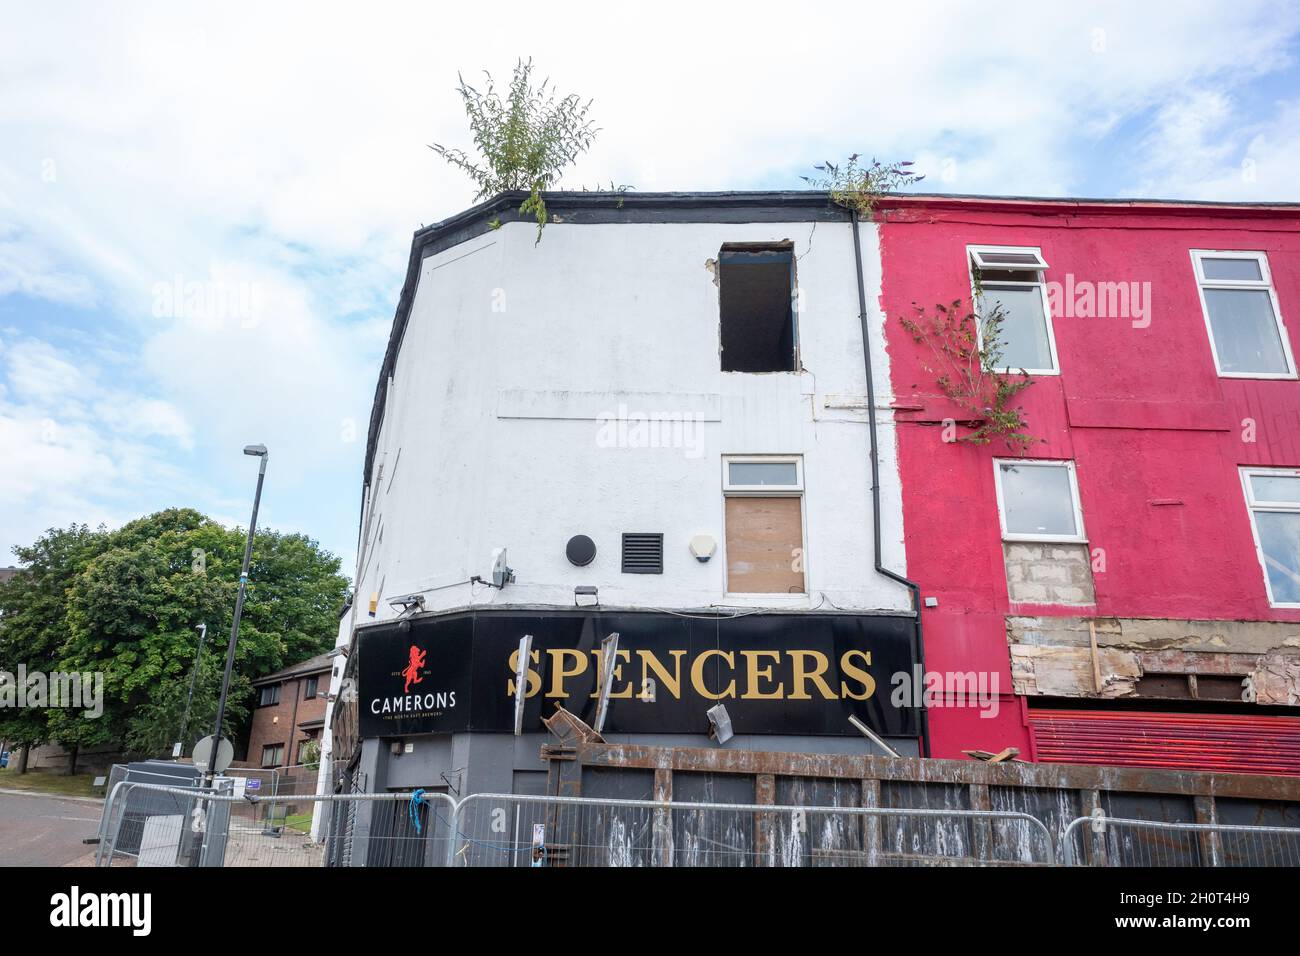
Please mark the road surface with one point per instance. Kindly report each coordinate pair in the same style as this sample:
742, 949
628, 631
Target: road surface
39, 830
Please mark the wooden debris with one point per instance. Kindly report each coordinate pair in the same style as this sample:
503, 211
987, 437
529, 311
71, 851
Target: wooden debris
1002, 756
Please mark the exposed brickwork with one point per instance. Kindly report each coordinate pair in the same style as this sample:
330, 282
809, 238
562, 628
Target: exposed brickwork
1049, 573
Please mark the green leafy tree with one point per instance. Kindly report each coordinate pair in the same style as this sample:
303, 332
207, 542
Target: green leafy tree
33, 625
524, 141
130, 611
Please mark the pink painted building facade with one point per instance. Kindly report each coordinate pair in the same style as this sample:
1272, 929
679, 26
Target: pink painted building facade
1132, 584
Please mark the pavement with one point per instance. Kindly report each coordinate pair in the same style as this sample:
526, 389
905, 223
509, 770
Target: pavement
38, 829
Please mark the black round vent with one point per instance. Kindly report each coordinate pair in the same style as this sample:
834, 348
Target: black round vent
580, 550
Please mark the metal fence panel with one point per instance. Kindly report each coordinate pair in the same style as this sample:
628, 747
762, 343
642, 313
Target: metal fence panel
149, 825
520, 830
1118, 842
152, 825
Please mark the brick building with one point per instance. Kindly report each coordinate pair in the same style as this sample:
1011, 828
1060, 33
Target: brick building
289, 712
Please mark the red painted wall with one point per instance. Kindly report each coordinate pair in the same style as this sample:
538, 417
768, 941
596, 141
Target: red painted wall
1142, 412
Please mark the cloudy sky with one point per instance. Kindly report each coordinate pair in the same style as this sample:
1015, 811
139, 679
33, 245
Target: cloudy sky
274, 157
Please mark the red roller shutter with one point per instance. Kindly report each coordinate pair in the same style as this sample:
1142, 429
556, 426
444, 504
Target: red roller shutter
1227, 743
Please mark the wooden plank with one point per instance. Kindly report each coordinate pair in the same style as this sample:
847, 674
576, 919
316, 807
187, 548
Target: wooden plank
1096, 662
1006, 774
764, 545
663, 819
764, 823
1211, 841
981, 830
871, 828
1093, 845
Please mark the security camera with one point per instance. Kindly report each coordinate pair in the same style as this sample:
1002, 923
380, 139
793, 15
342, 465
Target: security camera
407, 602
502, 573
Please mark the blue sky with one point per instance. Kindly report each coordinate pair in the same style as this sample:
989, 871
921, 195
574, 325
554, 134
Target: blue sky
271, 164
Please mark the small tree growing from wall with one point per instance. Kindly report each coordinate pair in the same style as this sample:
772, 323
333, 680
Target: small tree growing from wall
856, 185
964, 343
524, 141
966, 357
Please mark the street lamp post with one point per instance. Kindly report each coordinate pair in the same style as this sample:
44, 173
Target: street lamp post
189, 701
260, 452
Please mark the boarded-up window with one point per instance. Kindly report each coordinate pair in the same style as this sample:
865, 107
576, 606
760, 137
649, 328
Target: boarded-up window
764, 545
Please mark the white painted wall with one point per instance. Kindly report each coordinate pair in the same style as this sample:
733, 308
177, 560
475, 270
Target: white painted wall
513, 350
325, 774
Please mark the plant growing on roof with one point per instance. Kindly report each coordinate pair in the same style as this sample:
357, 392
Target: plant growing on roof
966, 356
856, 185
524, 141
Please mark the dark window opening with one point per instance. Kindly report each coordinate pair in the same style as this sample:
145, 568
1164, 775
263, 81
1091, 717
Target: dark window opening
311, 687
270, 695
1219, 687
757, 300
272, 755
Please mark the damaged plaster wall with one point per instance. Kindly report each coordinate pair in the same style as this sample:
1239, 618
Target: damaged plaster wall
1055, 656
529, 376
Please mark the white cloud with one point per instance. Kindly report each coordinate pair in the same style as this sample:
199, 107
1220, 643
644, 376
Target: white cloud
282, 149
26, 268
1199, 149
77, 449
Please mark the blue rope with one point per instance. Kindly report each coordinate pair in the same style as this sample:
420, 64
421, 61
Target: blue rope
499, 847
413, 812
413, 809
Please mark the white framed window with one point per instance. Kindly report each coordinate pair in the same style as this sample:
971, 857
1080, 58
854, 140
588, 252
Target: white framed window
1012, 277
764, 524
1038, 500
762, 474
1247, 335
1008, 257
1273, 500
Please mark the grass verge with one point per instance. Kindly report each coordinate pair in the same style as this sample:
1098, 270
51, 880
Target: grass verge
43, 781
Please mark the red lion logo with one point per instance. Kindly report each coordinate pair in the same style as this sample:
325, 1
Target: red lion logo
412, 671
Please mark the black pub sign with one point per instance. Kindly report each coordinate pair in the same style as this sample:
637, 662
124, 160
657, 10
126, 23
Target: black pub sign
797, 674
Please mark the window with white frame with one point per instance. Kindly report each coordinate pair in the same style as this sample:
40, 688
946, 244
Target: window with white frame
1038, 500
1247, 335
1273, 499
1012, 277
763, 497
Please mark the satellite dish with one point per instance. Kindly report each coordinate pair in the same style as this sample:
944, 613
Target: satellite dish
502, 573
203, 754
